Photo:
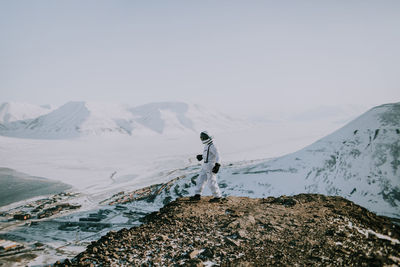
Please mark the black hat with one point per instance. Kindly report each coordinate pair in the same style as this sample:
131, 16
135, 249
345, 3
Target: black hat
204, 136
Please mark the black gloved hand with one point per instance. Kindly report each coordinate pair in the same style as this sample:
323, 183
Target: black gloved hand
216, 168
199, 157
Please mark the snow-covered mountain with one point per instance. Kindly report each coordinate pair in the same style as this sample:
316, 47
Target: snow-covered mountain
75, 119
360, 162
13, 111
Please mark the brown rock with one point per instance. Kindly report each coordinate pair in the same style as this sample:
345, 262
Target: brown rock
242, 234
243, 264
194, 254
250, 219
233, 242
208, 253
164, 237
194, 263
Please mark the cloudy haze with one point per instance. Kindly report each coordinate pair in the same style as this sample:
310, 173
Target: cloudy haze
239, 56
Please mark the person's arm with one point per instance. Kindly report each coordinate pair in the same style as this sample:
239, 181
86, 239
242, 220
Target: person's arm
214, 150
216, 154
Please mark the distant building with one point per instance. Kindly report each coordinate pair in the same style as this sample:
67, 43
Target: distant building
8, 245
22, 216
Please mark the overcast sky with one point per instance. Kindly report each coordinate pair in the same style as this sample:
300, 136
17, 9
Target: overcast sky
239, 56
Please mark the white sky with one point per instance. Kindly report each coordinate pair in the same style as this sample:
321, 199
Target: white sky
242, 57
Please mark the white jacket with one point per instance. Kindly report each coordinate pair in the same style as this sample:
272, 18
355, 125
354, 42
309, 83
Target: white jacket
210, 156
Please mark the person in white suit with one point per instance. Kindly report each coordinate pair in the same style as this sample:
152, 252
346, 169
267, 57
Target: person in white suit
210, 167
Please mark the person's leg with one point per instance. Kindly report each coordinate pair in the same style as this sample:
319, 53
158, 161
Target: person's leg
201, 182
214, 185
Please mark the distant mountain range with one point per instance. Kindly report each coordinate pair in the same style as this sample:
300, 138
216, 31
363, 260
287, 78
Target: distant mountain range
75, 119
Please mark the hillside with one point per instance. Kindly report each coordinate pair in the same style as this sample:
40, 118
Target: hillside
360, 162
301, 230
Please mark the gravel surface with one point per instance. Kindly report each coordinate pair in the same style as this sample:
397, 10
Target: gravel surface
302, 230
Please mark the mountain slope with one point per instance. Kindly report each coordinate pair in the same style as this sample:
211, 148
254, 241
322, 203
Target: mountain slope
75, 119
361, 162
12, 111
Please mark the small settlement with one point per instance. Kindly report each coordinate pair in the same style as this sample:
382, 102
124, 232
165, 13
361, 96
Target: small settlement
7, 245
42, 208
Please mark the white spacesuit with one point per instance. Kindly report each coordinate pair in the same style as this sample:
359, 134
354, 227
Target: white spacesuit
209, 168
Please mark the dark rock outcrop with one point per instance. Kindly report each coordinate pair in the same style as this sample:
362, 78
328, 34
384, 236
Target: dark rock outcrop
302, 230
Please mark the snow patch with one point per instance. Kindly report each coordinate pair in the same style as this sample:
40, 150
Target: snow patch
368, 232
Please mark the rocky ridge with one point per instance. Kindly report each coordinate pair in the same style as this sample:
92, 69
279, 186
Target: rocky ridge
305, 229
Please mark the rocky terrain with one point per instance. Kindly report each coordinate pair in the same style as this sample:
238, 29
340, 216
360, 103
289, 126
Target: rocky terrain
301, 230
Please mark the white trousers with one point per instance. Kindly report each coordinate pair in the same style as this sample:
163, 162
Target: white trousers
206, 175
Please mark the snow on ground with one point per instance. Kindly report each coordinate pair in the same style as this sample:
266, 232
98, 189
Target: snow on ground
368, 232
